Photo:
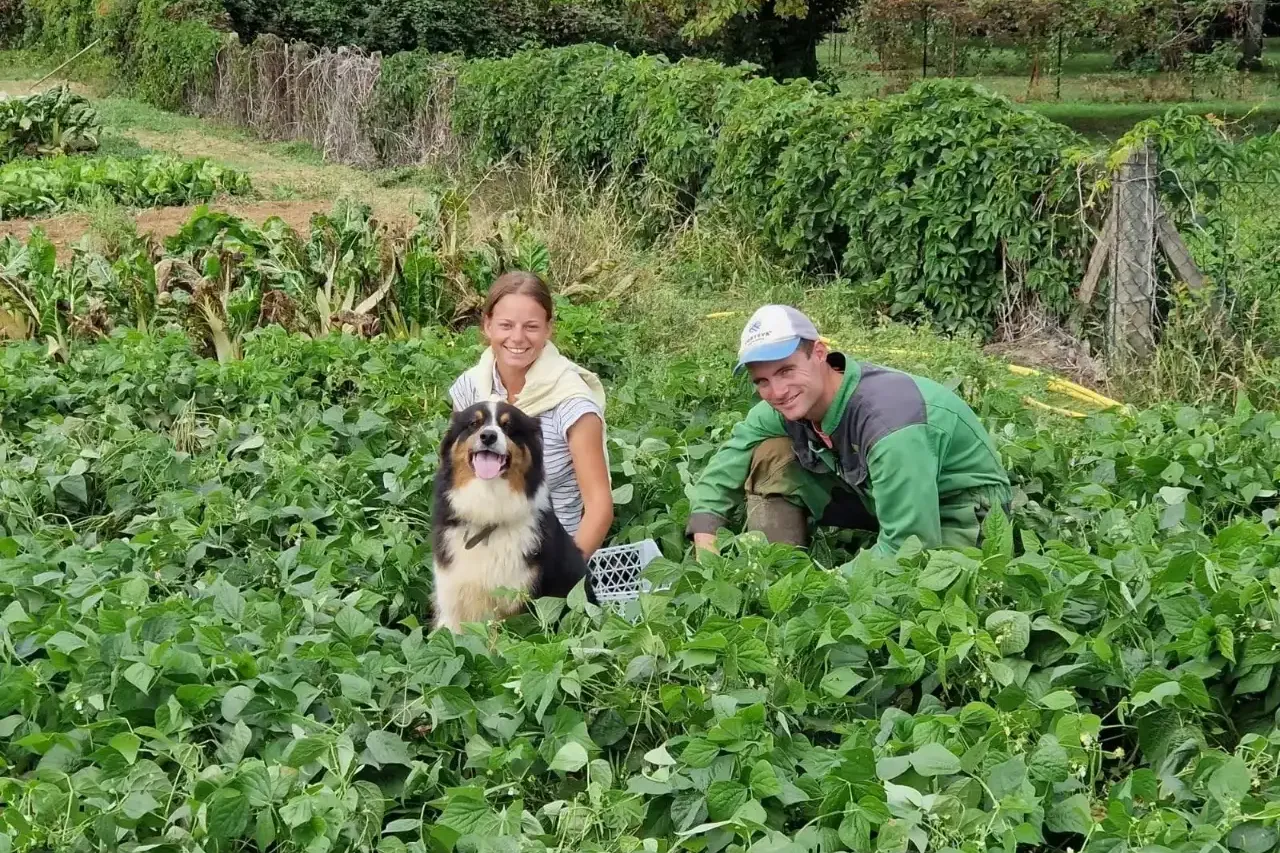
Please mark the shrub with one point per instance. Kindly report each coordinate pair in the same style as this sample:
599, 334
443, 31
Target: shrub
164, 50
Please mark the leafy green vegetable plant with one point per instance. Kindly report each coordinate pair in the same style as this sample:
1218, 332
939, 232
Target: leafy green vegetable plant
214, 590
32, 187
55, 121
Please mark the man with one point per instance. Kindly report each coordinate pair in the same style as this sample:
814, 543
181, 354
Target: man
849, 445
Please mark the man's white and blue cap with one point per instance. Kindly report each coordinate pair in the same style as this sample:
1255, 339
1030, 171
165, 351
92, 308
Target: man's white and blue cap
773, 332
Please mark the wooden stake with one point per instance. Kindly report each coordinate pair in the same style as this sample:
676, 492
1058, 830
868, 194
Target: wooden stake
1098, 260
1176, 250
63, 65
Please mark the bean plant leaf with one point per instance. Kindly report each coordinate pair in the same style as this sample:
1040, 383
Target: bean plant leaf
234, 702
1230, 782
65, 642
304, 751
1070, 815
997, 534
1011, 631
943, 568
228, 814
840, 681
1049, 762
699, 753
724, 798
387, 748
934, 759
127, 744
570, 758
1059, 700
764, 780
467, 812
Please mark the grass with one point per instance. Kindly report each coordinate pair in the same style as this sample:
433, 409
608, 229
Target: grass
90, 72
1110, 121
1090, 95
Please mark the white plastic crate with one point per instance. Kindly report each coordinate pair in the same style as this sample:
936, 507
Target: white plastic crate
615, 571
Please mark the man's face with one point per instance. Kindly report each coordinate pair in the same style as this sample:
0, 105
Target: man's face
793, 385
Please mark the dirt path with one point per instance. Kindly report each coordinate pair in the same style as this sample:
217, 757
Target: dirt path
282, 176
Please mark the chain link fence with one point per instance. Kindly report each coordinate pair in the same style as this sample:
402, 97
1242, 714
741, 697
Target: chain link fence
1191, 223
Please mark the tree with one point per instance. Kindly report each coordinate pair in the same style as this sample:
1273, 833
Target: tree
1251, 47
781, 36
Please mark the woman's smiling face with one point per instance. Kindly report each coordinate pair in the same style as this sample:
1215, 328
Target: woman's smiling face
518, 330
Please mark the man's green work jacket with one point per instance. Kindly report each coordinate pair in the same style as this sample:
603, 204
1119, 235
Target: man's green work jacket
907, 446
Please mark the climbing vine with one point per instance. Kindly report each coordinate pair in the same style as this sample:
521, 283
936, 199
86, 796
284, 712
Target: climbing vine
947, 201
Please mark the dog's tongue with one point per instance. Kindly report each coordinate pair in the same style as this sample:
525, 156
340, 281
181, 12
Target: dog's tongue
487, 465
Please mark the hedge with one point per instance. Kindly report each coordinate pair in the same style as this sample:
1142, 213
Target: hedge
949, 201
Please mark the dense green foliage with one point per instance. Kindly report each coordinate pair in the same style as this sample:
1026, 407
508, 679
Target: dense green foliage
213, 579
163, 50
411, 84
468, 27
31, 187
947, 200
780, 36
55, 121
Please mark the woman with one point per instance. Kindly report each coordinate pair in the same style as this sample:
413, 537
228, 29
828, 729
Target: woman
522, 366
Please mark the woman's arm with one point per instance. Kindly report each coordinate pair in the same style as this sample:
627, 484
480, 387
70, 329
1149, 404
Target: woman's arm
586, 448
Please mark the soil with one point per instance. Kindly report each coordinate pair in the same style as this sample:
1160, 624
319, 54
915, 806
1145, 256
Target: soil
278, 175
1053, 352
66, 230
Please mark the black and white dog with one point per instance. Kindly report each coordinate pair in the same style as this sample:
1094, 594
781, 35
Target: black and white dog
493, 526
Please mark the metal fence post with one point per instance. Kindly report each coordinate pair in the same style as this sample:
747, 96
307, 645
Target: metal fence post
1131, 312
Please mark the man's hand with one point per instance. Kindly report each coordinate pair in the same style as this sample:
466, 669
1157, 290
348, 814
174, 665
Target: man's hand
705, 542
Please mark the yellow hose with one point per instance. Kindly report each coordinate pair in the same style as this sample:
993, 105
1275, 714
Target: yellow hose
1053, 383
1032, 401
1071, 389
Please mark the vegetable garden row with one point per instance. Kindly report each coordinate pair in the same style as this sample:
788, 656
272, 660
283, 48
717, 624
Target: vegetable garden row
213, 575
45, 166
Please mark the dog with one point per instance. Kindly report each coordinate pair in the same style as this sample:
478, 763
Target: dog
493, 526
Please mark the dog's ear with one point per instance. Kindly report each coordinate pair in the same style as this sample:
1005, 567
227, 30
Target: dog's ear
451, 432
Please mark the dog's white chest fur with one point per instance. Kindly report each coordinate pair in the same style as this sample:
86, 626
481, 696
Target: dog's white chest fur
483, 582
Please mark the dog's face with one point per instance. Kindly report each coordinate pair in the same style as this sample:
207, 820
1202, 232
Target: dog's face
493, 441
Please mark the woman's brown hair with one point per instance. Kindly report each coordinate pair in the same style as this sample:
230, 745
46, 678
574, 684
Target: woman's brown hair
523, 283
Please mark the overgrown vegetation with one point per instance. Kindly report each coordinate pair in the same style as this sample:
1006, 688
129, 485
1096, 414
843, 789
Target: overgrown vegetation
444, 26
32, 187
163, 50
